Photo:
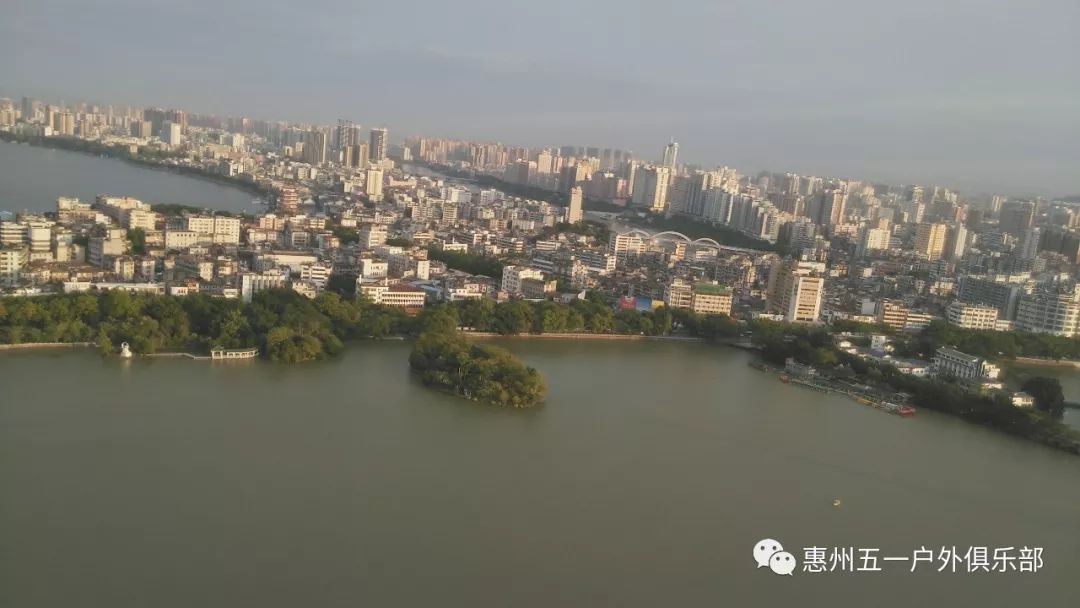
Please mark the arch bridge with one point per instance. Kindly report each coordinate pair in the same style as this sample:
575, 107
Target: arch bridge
678, 236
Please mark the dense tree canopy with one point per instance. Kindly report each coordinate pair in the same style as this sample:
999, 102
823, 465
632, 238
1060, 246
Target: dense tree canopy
994, 345
283, 324
1049, 397
467, 262
449, 361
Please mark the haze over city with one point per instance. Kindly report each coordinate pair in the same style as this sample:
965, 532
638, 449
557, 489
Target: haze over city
491, 303
973, 95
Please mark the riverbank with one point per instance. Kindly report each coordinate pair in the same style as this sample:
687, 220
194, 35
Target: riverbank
67, 345
892, 403
45, 345
578, 336
93, 148
1039, 362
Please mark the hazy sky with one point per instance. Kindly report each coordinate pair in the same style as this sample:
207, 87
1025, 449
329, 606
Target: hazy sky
971, 93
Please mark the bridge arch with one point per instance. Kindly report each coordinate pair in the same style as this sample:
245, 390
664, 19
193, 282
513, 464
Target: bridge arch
706, 241
682, 236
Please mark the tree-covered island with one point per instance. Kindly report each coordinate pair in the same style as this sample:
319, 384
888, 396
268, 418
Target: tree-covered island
448, 361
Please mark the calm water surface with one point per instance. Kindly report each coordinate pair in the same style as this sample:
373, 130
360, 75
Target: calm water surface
32, 178
646, 479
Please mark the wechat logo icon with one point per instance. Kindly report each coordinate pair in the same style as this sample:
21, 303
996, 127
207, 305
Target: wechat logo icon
769, 553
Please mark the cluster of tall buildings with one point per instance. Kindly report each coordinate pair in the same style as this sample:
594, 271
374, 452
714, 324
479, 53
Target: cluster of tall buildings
821, 248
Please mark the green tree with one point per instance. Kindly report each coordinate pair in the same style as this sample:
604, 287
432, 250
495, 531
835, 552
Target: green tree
137, 238
104, 343
512, 318
1048, 395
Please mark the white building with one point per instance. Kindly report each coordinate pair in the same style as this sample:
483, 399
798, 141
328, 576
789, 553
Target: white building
171, 133
651, 188
372, 236
621, 245
575, 213
252, 283
294, 260
873, 239
318, 274
12, 259
972, 316
371, 268
795, 291
1050, 311
514, 275
373, 184
181, 239
952, 363
398, 295
217, 229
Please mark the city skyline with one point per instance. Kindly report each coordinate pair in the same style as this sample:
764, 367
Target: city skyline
649, 157
736, 86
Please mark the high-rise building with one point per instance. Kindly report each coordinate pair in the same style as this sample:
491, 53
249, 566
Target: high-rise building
956, 242
355, 156
795, 290
29, 112
66, 123
545, 162
347, 134
1063, 241
827, 209
650, 188
373, 184
1054, 311
575, 214
141, 129
699, 184
379, 144
717, 205
1016, 217
873, 239
1029, 243
992, 291
621, 245
571, 175
930, 240
671, 155
171, 133
315, 147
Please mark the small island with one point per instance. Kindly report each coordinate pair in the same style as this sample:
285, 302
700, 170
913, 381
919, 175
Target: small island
448, 361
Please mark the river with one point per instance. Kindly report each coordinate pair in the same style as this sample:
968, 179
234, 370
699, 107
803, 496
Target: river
32, 178
645, 480
1070, 385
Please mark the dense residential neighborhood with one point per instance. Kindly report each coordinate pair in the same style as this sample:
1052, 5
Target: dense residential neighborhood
428, 221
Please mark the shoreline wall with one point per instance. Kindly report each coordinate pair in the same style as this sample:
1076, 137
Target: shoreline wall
1035, 361
577, 336
33, 345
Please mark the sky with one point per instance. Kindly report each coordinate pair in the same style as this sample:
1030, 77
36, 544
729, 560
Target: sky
978, 95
